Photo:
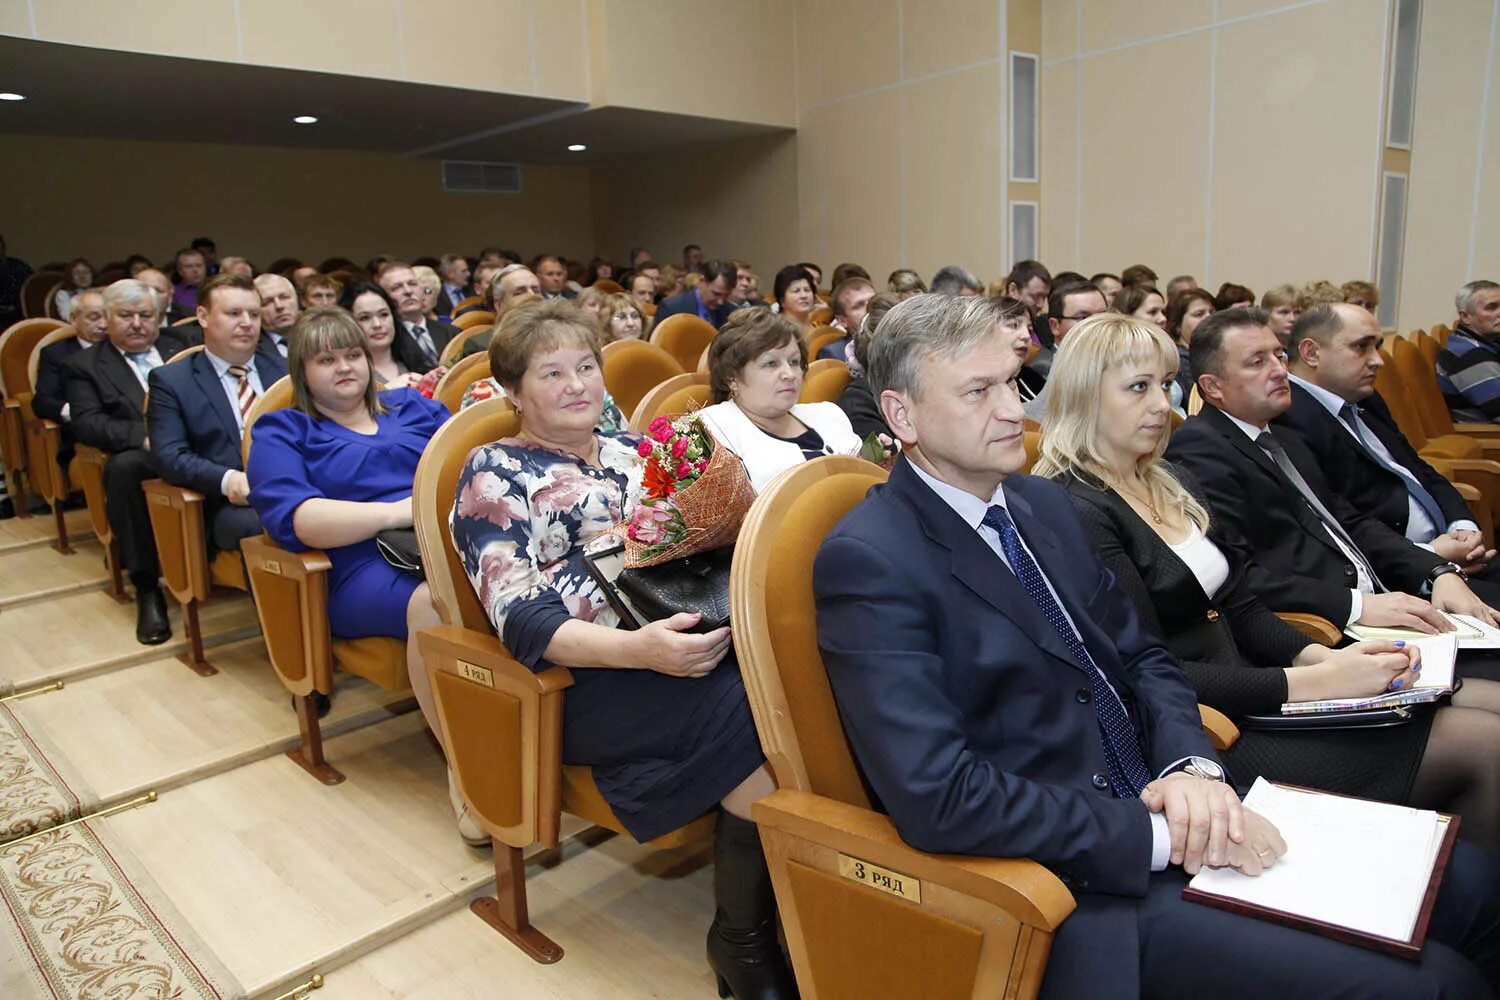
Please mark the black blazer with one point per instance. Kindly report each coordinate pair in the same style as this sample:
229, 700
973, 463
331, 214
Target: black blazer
687, 302
1293, 563
1360, 479
859, 404
407, 352
105, 397
1220, 640
50, 395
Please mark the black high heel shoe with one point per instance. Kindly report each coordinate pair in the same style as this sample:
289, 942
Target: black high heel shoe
742, 949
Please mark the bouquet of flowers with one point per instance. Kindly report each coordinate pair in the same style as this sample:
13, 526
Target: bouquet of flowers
694, 494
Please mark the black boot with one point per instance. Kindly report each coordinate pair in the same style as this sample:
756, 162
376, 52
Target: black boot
742, 948
152, 628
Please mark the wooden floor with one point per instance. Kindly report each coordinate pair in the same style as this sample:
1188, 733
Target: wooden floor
366, 883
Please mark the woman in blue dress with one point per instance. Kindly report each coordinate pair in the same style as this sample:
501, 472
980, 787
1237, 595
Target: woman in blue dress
658, 713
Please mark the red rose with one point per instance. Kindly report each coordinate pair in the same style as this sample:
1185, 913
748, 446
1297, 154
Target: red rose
644, 448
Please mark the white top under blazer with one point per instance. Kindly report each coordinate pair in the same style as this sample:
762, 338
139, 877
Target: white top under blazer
765, 457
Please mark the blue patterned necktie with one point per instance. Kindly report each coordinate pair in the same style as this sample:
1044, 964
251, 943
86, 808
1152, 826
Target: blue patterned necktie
1127, 765
1414, 489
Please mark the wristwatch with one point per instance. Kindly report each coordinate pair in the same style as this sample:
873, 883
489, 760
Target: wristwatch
1202, 767
1444, 569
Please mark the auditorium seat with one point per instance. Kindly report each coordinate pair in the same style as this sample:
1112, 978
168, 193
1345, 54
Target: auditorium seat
821, 315
820, 337
685, 337
45, 476
472, 300
454, 348
478, 317
608, 286
501, 723
1420, 379
825, 381
676, 395
16, 345
37, 290
464, 373
864, 913
633, 368
181, 535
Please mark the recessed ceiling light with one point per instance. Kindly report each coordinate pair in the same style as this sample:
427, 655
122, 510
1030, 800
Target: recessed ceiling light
7, 96
577, 147
306, 120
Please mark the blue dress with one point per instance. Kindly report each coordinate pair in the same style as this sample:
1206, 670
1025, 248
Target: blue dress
296, 457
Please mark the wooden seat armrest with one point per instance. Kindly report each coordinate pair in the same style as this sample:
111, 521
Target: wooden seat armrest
291, 601
89, 455
181, 543
293, 565
1484, 430
1314, 627
1023, 888
485, 650
174, 496
1470, 494
1222, 732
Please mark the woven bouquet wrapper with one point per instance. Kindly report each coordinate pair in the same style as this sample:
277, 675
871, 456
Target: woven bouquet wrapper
713, 508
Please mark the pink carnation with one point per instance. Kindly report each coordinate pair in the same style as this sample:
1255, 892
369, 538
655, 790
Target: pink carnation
679, 447
644, 448
683, 470
661, 430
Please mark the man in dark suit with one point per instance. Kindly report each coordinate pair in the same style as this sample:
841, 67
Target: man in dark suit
1312, 551
419, 339
198, 406
708, 299
279, 310
454, 270
553, 277
1003, 700
50, 399
850, 299
1346, 425
511, 283
106, 387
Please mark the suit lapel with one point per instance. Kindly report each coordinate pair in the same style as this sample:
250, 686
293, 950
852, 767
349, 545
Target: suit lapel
117, 371
208, 382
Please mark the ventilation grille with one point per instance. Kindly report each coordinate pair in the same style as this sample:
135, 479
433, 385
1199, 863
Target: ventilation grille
1023, 116
494, 178
1392, 236
1402, 110
1022, 231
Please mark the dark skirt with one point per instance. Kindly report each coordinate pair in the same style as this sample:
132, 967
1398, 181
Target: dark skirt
1370, 763
664, 749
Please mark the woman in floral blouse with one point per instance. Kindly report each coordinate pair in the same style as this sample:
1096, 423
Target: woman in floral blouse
658, 713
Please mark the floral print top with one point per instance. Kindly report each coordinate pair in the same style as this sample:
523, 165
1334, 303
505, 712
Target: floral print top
611, 420
521, 522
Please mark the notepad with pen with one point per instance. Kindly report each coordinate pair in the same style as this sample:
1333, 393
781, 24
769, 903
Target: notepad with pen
1471, 632
1436, 680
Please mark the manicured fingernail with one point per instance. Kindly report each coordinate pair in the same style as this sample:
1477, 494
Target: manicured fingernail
1396, 684
1400, 643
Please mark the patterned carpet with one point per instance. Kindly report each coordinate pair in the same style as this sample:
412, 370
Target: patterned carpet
34, 795
82, 922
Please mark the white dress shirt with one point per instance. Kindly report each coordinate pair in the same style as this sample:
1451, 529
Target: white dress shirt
153, 356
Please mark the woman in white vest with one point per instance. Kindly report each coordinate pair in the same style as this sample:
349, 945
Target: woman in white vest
756, 364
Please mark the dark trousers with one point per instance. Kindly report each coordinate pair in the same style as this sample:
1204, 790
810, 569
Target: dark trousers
125, 506
227, 524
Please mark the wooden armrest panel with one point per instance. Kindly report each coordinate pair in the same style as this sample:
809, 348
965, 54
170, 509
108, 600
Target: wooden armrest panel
181, 546
1316, 628
1483, 430
1222, 733
1470, 494
291, 600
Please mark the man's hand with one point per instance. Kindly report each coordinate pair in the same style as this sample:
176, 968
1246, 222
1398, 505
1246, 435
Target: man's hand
1403, 611
1205, 818
1450, 593
1262, 847
237, 488
1465, 548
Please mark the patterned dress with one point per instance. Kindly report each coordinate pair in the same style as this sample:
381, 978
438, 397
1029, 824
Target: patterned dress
664, 749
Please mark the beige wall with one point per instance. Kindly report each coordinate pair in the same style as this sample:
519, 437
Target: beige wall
106, 199
1245, 149
738, 199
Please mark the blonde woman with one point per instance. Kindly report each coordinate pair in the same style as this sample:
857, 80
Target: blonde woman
1105, 429
1284, 305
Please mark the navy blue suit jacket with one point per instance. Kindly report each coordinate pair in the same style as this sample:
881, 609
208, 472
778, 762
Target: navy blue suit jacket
194, 434
970, 719
51, 390
687, 302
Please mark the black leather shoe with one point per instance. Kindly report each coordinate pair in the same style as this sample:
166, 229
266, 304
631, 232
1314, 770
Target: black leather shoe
320, 700
152, 627
7, 509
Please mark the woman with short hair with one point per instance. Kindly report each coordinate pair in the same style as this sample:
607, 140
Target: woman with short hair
1187, 309
796, 294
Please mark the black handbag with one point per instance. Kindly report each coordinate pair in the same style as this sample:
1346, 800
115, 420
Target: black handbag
398, 546
695, 584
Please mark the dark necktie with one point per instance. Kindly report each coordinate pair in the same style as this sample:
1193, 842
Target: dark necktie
1331, 524
1128, 774
429, 351
1415, 489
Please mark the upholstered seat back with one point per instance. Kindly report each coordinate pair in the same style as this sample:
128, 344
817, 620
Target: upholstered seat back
633, 368
825, 381
685, 337
678, 394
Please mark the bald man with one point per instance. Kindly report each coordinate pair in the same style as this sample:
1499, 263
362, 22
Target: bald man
278, 312
162, 286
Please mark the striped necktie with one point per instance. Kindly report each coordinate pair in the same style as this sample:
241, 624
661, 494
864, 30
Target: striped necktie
245, 393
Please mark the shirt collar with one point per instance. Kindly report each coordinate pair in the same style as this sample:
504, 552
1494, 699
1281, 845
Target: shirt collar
1250, 430
221, 367
1332, 402
965, 504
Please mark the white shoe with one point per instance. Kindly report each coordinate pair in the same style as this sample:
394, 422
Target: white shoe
468, 826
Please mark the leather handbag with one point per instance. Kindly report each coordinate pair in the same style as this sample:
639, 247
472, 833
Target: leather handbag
696, 583
398, 547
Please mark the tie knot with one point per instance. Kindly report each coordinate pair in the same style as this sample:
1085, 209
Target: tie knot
239, 371
1268, 441
998, 519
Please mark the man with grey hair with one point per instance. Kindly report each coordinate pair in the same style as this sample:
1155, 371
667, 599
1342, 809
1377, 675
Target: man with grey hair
955, 280
418, 336
509, 283
106, 390
1181, 283
279, 310
1468, 367
1004, 700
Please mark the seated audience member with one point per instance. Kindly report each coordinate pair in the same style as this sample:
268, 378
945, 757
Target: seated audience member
49, 400
510, 283
209, 251
955, 280
796, 294
553, 277
1232, 296
1030, 282
13, 274
394, 362
196, 419
78, 276
1181, 283
638, 256
1109, 285
1106, 427
850, 298
1004, 700
745, 283
755, 365
708, 299
484, 276
1282, 308
168, 312
106, 391
278, 313
135, 264
334, 470
236, 266
815, 271
1142, 302
1067, 306
431, 286
671, 281
857, 401
652, 270
692, 258
1468, 367
599, 269
592, 301
454, 270
317, 290
623, 319
905, 282
642, 288
1138, 274
1185, 311
1312, 551
1350, 431
1318, 293
845, 271
427, 337
1362, 294
701, 749
191, 270
298, 274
